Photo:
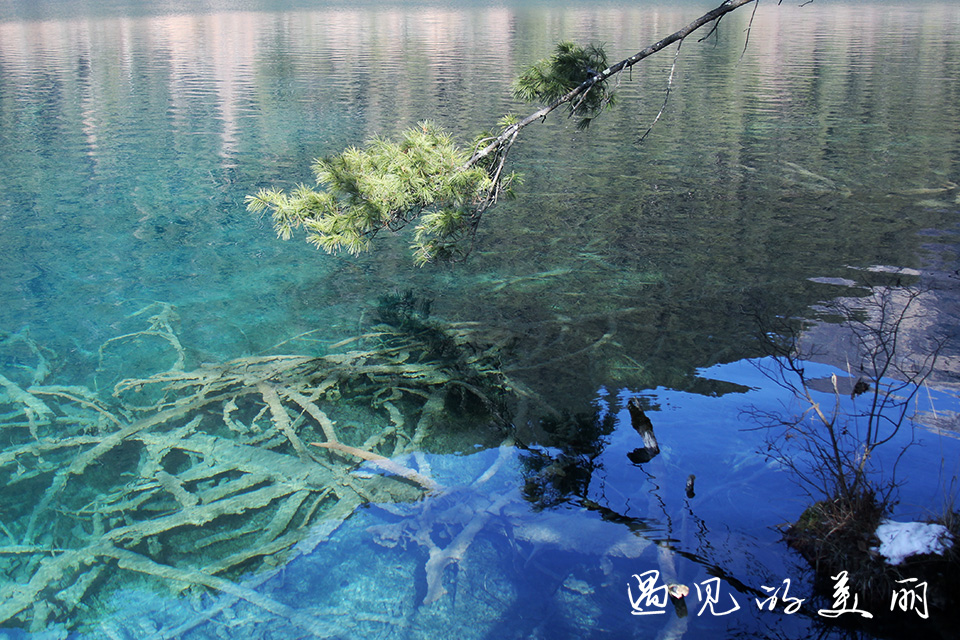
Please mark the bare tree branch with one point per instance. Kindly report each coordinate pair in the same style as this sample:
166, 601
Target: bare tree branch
666, 95
506, 139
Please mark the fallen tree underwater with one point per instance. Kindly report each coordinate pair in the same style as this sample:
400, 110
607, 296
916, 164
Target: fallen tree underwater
196, 477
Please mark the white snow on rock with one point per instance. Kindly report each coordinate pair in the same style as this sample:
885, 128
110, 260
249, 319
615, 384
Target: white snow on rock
900, 540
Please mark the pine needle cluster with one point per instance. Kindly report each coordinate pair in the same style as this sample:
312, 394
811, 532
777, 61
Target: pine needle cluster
385, 185
571, 65
425, 177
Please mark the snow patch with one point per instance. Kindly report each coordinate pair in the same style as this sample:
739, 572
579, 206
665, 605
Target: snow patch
900, 540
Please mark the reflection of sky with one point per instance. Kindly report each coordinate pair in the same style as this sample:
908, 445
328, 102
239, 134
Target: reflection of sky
559, 570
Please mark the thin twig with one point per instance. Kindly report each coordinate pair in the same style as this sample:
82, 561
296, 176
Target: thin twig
666, 95
746, 39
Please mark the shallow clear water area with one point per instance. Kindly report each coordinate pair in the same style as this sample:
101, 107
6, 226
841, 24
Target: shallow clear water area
509, 496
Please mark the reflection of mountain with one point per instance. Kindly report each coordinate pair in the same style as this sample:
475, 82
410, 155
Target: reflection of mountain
215, 63
396, 65
930, 314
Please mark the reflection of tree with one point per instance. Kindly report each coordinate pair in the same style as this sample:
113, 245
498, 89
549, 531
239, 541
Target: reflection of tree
567, 471
837, 444
561, 468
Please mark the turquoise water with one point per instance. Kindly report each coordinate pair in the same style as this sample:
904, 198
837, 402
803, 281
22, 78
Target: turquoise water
778, 176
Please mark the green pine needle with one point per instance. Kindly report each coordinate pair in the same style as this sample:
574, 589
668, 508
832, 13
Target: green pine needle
570, 66
384, 184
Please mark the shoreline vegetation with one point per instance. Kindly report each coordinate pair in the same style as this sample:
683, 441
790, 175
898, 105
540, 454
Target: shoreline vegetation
848, 436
